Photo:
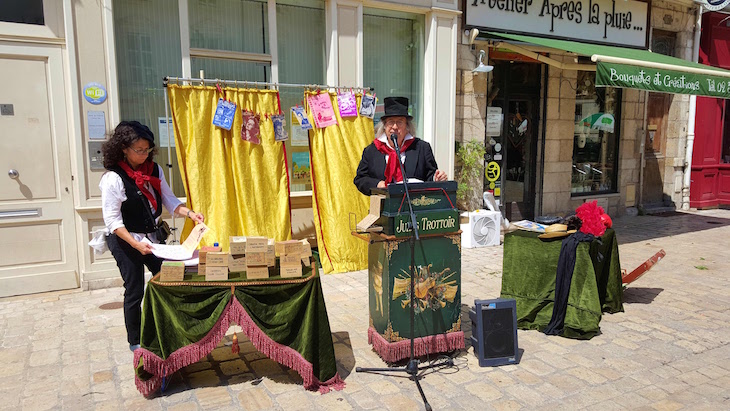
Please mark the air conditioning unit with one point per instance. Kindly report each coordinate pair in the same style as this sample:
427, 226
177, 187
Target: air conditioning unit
482, 229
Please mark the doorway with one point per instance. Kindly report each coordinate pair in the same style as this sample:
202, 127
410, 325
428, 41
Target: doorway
516, 89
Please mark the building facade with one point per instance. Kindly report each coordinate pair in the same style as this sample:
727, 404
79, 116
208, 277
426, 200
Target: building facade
73, 69
562, 140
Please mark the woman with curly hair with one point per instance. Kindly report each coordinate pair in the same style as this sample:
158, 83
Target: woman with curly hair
133, 192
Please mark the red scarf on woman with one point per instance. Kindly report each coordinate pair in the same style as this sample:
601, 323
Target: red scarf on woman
392, 170
141, 176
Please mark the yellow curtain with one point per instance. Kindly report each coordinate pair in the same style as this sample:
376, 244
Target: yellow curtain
335, 154
240, 187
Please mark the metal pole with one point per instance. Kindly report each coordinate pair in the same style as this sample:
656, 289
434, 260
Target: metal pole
257, 84
169, 154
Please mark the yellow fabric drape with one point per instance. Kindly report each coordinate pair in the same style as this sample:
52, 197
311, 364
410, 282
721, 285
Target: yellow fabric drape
335, 154
240, 187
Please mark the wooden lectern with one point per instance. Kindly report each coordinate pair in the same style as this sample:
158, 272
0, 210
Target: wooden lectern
438, 272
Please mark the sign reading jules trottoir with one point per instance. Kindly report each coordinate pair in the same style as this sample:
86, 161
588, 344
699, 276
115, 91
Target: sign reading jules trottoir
622, 23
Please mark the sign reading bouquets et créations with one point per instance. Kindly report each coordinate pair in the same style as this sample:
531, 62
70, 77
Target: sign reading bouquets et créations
668, 81
622, 22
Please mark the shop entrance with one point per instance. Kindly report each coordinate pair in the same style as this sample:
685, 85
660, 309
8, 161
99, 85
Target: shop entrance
516, 91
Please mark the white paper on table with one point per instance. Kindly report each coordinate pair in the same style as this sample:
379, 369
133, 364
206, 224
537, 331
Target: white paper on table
183, 251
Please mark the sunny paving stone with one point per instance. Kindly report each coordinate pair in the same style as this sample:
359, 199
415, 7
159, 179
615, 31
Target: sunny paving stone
213, 397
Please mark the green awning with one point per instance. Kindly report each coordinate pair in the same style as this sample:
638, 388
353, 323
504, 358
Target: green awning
641, 69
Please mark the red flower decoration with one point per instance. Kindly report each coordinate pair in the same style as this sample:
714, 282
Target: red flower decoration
590, 214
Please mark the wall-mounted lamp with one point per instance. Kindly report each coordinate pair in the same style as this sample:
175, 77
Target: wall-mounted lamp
482, 68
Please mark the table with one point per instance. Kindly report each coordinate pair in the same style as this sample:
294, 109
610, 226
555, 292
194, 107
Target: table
285, 319
528, 275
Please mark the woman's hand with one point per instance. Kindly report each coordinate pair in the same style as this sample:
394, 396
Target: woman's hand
144, 248
381, 184
197, 217
439, 176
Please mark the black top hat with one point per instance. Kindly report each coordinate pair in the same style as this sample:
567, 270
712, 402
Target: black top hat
396, 107
141, 130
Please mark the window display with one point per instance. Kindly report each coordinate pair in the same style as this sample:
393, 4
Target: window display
596, 135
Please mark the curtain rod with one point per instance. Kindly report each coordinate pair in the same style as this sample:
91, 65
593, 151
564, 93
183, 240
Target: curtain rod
255, 84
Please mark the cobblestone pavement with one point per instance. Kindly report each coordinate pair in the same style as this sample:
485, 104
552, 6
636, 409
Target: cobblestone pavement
669, 350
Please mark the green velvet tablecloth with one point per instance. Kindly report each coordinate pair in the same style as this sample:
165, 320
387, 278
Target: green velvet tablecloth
528, 275
285, 319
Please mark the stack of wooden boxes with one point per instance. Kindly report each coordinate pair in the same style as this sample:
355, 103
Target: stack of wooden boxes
290, 258
216, 266
202, 257
257, 266
237, 259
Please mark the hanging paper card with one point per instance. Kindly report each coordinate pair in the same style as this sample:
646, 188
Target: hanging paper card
347, 104
367, 106
302, 117
250, 128
299, 136
280, 133
224, 113
322, 111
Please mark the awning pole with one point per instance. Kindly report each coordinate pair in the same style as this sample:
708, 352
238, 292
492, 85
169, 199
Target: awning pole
258, 84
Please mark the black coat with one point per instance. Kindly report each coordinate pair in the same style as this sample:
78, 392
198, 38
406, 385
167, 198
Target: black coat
419, 164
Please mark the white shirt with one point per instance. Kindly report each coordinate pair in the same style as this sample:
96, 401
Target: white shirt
384, 139
113, 195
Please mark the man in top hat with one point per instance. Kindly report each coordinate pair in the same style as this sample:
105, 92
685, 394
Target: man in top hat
379, 165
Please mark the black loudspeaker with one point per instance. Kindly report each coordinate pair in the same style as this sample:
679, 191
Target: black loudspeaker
494, 332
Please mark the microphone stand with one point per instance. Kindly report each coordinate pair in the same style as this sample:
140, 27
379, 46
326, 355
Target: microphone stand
412, 368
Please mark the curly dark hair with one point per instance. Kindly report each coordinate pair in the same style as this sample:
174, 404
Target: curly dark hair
124, 136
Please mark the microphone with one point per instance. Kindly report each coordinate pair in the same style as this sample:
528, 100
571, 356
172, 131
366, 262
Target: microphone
394, 139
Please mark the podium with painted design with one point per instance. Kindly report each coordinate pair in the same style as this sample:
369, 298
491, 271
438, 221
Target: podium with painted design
437, 325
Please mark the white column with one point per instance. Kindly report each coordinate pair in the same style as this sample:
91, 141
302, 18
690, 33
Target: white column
439, 92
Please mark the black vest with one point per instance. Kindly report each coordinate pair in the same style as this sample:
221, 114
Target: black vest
136, 218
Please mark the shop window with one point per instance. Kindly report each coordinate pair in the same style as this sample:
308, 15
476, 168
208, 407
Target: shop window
147, 44
301, 51
725, 135
22, 11
596, 136
229, 25
393, 48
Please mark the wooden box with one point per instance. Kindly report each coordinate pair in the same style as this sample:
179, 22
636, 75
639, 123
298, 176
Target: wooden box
270, 254
172, 271
256, 244
205, 250
237, 245
291, 271
236, 263
256, 259
290, 247
216, 259
257, 273
289, 259
216, 273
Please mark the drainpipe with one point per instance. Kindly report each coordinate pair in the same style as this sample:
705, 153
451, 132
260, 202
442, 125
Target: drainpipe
691, 121
642, 147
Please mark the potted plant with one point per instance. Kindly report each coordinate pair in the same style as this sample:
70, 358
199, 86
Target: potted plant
470, 159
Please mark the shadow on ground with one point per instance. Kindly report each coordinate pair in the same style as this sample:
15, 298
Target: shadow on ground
643, 228
224, 367
640, 295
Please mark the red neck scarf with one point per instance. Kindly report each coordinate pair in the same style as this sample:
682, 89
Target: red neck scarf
141, 176
392, 170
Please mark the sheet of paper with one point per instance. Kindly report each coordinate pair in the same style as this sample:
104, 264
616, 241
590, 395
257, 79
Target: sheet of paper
183, 251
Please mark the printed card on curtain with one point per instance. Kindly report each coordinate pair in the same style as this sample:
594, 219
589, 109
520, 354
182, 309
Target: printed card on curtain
300, 167
322, 111
250, 128
280, 133
367, 105
299, 134
347, 104
301, 117
224, 113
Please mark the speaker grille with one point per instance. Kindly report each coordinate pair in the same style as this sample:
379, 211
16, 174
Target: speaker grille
499, 334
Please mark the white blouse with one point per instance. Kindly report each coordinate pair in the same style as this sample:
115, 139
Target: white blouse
113, 195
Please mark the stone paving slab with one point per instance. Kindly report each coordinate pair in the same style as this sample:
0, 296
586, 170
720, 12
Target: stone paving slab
669, 350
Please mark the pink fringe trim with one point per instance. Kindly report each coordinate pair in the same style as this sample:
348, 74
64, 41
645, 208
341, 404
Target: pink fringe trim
190, 354
395, 351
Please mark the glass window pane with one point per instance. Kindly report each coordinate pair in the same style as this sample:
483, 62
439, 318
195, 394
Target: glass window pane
393, 58
595, 143
231, 25
147, 43
22, 11
301, 40
231, 69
